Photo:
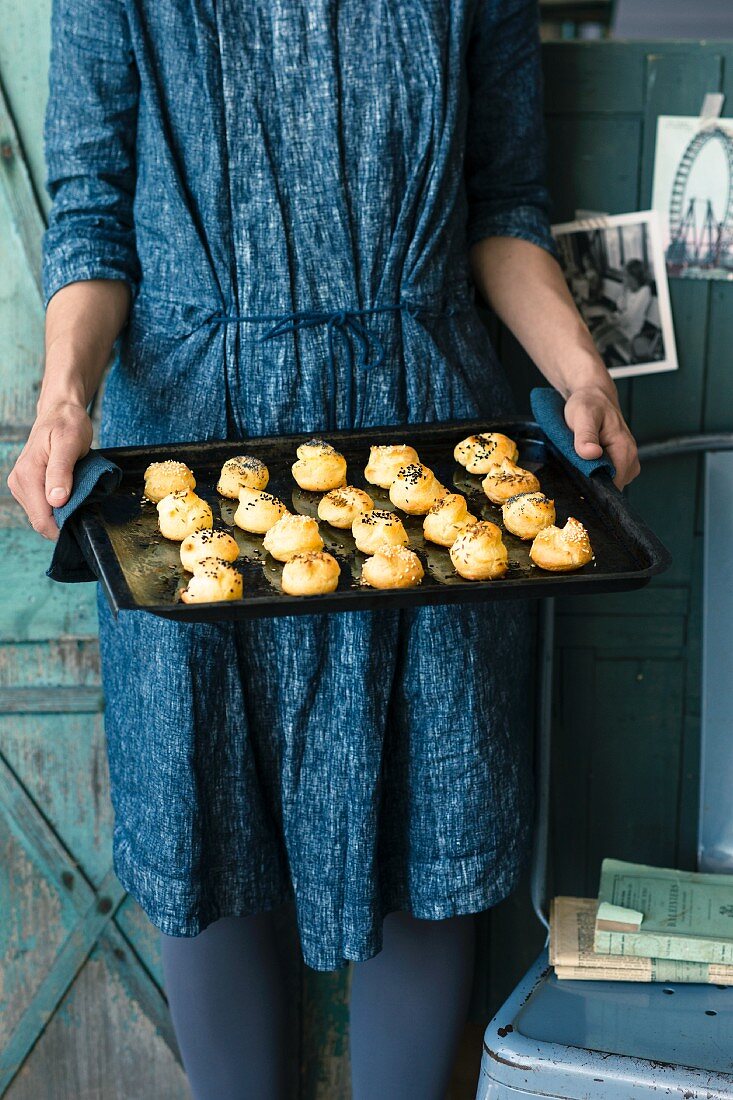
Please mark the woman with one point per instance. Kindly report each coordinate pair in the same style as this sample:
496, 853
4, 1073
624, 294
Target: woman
247, 193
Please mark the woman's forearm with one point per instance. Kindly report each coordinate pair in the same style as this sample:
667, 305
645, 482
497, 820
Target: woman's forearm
83, 320
525, 287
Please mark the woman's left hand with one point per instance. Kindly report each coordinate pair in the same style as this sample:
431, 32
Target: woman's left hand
598, 424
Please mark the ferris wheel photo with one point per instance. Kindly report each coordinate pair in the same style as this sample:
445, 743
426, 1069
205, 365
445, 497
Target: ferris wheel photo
693, 194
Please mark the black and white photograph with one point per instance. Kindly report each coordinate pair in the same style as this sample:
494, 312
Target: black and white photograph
614, 267
693, 193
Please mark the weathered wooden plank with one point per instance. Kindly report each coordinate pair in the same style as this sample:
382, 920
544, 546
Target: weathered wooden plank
635, 747
61, 761
614, 634
571, 808
24, 49
21, 327
592, 164
63, 662
580, 78
34, 608
325, 1066
37, 915
25, 218
718, 414
662, 599
68, 962
676, 80
101, 1044
68, 700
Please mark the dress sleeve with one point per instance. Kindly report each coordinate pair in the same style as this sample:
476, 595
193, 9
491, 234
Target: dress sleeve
505, 141
89, 144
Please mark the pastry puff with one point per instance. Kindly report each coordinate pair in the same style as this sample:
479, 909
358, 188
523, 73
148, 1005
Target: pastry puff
377, 529
162, 478
292, 535
242, 472
527, 513
213, 580
479, 554
310, 574
385, 462
258, 511
207, 544
341, 507
447, 519
415, 489
505, 480
320, 467
561, 549
181, 513
478, 453
392, 567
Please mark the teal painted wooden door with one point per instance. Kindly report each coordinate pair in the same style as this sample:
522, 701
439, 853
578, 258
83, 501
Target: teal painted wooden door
81, 1008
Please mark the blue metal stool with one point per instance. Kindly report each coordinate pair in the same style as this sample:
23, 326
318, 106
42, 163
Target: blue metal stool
584, 1040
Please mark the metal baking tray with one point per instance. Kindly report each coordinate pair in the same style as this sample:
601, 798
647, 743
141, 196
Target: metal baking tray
140, 570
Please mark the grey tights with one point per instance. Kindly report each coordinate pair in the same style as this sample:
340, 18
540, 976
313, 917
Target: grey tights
409, 1004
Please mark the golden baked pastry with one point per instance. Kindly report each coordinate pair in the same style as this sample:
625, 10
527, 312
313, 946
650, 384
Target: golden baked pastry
340, 507
378, 528
561, 549
213, 580
479, 452
415, 489
479, 554
311, 574
207, 544
162, 478
257, 511
385, 462
392, 567
242, 472
292, 535
447, 519
527, 513
181, 513
320, 467
505, 480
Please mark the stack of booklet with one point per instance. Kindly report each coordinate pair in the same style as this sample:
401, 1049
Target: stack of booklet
648, 924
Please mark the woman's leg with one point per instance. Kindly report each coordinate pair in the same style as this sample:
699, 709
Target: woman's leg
227, 999
409, 1004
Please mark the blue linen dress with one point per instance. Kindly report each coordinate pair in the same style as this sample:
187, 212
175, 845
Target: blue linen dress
290, 187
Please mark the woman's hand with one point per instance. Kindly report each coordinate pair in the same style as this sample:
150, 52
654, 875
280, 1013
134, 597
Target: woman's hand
42, 476
598, 424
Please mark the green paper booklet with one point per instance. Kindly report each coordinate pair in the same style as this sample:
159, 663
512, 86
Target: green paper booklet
687, 915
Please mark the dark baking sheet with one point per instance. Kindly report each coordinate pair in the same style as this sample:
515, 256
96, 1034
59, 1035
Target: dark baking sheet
140, 570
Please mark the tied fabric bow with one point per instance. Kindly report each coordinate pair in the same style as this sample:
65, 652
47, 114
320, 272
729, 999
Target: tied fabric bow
359, 343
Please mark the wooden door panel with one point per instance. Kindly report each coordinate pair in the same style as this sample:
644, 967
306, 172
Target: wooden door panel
79, 1054
61, 761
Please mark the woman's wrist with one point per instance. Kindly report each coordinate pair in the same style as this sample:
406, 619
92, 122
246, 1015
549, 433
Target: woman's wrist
586, 373
62, 387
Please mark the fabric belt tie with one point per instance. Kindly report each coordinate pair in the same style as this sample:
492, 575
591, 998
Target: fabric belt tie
363, 348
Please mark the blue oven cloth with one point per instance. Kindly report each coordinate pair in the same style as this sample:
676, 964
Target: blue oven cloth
547, 408
94, 477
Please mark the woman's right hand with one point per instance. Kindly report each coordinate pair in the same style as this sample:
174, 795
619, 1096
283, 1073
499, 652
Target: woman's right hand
43, 473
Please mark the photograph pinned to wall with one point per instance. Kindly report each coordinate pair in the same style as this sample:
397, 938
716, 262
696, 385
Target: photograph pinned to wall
693, 193
615, 270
